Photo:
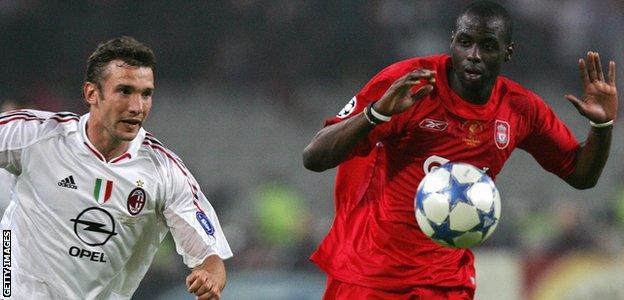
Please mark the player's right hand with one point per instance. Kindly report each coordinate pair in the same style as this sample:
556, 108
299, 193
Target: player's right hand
399, 97
203, 284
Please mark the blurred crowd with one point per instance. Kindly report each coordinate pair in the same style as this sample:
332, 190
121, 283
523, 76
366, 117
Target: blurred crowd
279, 45
301, 61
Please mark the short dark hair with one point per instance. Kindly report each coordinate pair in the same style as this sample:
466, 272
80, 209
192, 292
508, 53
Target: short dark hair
489, 9
125, 48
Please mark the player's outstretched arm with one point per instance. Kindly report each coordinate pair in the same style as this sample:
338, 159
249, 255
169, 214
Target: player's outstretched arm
599, 105
332, 144
207, 280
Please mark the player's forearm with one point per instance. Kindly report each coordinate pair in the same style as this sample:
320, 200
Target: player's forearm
333, 144
591, 159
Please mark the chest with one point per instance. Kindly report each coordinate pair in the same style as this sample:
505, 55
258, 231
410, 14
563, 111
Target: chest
437, 136
59, 181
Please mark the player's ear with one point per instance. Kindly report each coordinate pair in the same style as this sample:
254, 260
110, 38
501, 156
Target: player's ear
509, 49
90, 93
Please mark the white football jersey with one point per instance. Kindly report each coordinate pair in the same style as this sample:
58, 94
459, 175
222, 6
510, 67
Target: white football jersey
84, 228
7, 181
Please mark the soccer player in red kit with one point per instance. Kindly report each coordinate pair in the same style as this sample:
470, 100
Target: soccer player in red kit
422, 112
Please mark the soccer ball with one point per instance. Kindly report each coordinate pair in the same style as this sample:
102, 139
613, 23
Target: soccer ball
457, 205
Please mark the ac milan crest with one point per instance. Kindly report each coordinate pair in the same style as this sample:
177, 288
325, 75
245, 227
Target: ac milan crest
501, 134
136, 201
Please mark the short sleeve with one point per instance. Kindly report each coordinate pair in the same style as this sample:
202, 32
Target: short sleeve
550, 141
18, 130
191, 218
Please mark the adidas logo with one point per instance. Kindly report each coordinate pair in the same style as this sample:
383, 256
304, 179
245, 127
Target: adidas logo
68, 183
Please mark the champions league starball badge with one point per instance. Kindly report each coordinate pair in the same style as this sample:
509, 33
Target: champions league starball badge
348, 109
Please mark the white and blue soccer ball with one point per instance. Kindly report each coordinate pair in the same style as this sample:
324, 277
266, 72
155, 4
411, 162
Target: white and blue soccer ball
457, 205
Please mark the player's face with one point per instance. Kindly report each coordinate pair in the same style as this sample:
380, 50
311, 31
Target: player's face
124, 100
478, 50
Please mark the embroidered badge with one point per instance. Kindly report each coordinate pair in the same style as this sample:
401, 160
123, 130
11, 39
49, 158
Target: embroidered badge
501, 134
205, 223
136, 201
102, 190
348, 109
474, 128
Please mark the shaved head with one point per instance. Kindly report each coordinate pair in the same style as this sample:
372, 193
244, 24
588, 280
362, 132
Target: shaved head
488, 12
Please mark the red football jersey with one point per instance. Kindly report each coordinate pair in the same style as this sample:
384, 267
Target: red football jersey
375, 240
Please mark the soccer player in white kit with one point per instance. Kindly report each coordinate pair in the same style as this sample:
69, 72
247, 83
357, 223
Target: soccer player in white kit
7, 180
96, 194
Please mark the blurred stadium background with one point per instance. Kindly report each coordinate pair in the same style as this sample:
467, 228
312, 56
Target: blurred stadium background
242, 85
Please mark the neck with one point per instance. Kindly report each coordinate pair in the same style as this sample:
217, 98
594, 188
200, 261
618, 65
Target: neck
103, 142
480, 96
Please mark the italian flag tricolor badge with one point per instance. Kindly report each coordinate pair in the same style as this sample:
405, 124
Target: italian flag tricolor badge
103, 190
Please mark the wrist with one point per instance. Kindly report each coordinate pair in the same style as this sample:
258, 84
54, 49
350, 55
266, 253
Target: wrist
375, 106
601, 131
373, 116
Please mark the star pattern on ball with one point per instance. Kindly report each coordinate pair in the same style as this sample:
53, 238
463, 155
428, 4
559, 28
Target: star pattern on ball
487, 220
443, 232
457, 192
420, 195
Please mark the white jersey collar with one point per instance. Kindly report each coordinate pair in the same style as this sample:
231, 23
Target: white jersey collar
131, 153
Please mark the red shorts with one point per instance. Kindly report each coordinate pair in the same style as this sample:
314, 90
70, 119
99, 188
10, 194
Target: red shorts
341, 290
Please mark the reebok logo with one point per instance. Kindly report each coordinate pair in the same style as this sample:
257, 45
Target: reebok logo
433, 124
68, 183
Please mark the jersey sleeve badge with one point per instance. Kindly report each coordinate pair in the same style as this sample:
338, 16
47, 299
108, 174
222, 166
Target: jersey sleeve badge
348, 109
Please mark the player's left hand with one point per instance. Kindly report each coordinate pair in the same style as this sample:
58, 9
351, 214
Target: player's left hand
204, 285
600, 102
